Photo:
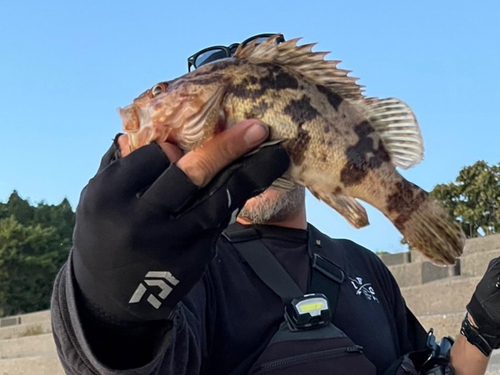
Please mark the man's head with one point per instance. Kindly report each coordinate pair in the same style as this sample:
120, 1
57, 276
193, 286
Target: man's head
274, 206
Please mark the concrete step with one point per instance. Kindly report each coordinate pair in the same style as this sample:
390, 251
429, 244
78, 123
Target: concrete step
35, 317
443, 324
475, 264
22, 330
29, 346
440, 296
482, 244
31, 366
494, 364
409, 274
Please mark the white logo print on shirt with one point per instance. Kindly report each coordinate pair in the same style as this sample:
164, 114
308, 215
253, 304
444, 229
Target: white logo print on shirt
365, 289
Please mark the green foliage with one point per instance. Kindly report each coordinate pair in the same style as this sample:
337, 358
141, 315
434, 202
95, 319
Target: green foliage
34, 243
473, 199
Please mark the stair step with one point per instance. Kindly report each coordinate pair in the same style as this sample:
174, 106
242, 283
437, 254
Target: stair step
34, 317
22, 330
31, 366
443, 324
418, 273
475, 264
482, 244
441, 296
29, 346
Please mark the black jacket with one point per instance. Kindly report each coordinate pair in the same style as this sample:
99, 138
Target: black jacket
227, 319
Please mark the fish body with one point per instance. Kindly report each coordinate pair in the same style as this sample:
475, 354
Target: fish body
343, 146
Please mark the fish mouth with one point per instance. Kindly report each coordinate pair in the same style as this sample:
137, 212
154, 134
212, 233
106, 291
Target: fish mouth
130, 118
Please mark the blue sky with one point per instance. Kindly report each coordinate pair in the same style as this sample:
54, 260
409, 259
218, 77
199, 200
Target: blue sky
65, 66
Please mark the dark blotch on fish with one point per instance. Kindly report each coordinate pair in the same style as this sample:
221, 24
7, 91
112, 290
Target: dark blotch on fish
405, 202
257, 110
363, 156
297, 147
275, 80
332, 98
301, 110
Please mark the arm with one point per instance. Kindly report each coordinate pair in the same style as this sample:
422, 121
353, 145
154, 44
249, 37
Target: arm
466, 359
146, 230
480, 332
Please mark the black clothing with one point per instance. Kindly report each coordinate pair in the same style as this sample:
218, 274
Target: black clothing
223, 324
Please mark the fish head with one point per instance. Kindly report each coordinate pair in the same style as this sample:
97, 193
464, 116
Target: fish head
180, 111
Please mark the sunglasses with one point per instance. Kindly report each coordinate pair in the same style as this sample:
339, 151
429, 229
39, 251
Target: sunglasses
214, 53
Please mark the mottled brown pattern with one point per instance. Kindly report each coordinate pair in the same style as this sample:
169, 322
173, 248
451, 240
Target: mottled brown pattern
405, 200
297, 147
257, 110
323, 119
332, 98
301, 110
275, 79
363, 156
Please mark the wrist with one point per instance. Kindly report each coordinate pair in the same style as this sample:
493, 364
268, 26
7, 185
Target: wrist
471, 332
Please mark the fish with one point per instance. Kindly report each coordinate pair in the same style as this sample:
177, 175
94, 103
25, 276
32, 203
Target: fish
343, 146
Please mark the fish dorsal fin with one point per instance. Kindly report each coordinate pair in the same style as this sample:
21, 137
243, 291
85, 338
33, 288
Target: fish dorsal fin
398, 128
302, 60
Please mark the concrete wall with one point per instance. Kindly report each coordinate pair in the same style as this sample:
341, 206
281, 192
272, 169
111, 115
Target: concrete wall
436, 295
412, 268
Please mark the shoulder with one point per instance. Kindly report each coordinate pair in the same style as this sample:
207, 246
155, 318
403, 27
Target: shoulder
357, 259
353, 251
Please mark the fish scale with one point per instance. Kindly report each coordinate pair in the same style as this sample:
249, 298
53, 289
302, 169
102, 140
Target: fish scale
343, 146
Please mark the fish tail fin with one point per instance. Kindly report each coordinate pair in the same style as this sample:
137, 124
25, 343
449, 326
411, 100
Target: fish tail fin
433, 232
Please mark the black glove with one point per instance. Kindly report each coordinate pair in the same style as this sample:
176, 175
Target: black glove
145, 233
484, 308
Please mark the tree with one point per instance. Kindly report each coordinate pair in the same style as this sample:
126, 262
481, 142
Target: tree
34, 243
473, 199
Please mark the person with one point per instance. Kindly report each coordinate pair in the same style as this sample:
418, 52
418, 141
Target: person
152, 287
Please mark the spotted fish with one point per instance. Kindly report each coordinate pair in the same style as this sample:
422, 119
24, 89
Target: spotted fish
343, 146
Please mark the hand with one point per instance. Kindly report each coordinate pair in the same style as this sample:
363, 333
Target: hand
146, 226
484, 307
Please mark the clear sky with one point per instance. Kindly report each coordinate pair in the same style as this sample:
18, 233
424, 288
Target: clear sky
65, 66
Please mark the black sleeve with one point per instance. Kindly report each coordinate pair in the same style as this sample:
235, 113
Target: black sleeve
177, 349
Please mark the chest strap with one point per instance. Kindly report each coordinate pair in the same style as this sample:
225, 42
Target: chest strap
325, 277
247, 241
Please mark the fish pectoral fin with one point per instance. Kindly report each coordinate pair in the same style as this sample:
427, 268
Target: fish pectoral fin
283, 183
398, 128
203, 119
348, 207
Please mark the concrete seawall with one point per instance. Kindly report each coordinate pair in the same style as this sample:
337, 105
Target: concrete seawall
436, 295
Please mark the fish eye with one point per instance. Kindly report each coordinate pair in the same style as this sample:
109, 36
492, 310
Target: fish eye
159, 88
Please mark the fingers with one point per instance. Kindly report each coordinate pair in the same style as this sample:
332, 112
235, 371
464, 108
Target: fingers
173, 152
132, 174
230, 189
202, 164
111, 155
123, 144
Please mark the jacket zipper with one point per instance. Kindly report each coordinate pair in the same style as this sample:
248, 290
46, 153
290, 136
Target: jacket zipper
304, 357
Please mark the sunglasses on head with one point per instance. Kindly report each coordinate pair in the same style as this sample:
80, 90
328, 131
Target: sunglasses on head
213, 53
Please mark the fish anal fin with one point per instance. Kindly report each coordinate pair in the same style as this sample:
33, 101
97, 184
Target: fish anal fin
283, 183
348, 207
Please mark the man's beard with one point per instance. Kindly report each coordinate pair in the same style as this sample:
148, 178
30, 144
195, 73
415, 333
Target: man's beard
269, 208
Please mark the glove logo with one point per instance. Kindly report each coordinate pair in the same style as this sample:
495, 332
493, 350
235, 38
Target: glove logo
155, 278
